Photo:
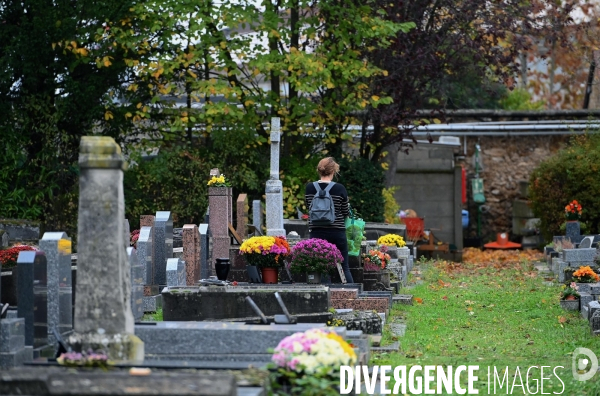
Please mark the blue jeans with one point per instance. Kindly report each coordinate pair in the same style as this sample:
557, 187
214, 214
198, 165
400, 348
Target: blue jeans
338, 238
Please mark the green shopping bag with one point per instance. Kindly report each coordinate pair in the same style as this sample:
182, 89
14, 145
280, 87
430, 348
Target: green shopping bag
355, 228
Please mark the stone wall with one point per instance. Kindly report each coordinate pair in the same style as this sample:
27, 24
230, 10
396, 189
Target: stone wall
506, 161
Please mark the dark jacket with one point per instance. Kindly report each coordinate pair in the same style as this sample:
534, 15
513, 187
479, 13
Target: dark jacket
340, 199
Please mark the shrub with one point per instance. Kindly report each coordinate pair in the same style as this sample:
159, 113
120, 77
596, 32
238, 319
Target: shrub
390, 207
570, 174
364, 181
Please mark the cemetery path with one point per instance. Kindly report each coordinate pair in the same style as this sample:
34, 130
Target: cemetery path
496, 310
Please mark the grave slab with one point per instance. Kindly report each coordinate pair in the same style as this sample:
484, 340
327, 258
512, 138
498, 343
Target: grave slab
38, 381
228, 302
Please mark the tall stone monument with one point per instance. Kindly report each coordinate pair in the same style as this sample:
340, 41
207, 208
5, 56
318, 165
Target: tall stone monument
274, 188
220, 216
103, 316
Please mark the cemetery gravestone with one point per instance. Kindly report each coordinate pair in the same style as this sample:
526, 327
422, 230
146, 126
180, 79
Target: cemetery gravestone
586, 243
40, 301
144, 254
103, 317
257, 214
163, 245
219, 202
242, 216
126, 233
25, 308
205, 270
191, 253
175, 272
57, 247
137, 283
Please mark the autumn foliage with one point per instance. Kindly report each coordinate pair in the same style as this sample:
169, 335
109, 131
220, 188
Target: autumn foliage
475, 259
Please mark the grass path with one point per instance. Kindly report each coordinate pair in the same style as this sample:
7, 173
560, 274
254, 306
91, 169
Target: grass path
496, 314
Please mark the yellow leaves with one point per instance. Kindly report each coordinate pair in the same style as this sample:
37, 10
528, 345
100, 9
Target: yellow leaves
108, 115
375, 98
81, 51
418, 300
223, 44
436, 121
444, 284
128, 115
139, 105
106, 61
158, 72
73, 44
191, 73
385, 73
248, 103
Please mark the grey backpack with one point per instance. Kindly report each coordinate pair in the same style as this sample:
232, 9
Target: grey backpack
322, 208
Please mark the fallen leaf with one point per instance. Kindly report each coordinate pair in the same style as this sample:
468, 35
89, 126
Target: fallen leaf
419, 300
445, 298
562, 319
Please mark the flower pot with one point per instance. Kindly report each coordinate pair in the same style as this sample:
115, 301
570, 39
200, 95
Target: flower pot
222, 267
570, 305
269, 274
313, 278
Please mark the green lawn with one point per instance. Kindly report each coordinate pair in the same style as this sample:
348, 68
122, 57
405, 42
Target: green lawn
493, 317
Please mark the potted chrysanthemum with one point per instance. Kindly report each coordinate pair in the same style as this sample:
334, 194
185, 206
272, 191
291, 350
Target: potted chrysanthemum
309, 363
583, 277
267, 253
314, 257
396, 246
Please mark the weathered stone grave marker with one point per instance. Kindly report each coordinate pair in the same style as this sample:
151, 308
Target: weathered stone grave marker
103, 317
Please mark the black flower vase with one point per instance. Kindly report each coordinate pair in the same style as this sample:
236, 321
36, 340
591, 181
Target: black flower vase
222, 267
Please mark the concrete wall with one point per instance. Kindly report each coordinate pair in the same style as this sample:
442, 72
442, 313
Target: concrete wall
430, 183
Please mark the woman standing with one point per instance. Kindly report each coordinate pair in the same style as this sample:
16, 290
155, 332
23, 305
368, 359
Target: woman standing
334, 233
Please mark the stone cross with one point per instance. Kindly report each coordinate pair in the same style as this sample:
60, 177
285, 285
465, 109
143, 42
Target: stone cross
274, 188
137, 283
163, 245
103, 317
57, 247
191, 253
